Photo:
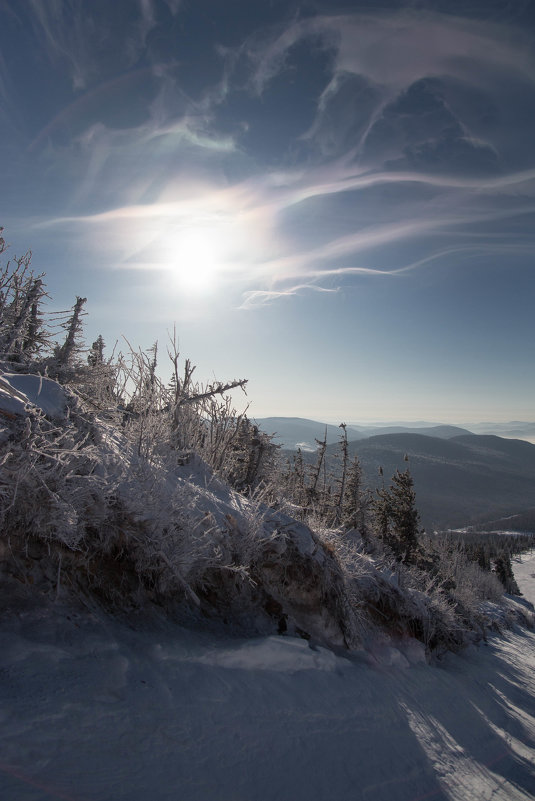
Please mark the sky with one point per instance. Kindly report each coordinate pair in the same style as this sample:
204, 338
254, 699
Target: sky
335, 201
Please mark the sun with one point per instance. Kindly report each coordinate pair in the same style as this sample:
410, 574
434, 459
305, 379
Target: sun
195, 258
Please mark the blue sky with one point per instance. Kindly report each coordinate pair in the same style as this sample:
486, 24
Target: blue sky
335, 201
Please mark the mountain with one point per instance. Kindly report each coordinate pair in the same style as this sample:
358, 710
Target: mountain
460, 481
515, 428
299, 432
460, 478
440, 431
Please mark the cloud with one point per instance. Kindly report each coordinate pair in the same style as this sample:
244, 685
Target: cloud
91, 42
173, 6
258, 297
244, 221
412, 155
404, 86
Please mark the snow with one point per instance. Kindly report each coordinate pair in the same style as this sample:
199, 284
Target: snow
93, 708
19, 390
284, 655
524, 570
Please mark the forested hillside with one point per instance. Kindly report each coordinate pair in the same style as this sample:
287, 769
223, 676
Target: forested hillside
460, 481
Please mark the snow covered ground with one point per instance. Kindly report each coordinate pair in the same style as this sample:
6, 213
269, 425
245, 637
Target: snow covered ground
93, 709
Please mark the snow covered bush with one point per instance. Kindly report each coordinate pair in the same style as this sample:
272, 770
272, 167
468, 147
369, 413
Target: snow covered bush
49, 464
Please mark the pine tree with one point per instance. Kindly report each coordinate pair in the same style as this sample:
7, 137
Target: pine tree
343, 476
355, 502
316, 472
504, 570
297, 479
23, 336
396, 517
405, 517
65, 354
95, 356
250, 457
22, 333
315, 496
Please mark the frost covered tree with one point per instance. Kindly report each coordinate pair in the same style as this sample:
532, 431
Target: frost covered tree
344, 452
355, 502
95, 356
397, 518
22, 331
250, 458
65, 353
314, 492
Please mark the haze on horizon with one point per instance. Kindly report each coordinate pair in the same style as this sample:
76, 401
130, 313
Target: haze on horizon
333, 200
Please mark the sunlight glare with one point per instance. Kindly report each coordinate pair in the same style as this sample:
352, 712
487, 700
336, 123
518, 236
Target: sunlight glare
195, 257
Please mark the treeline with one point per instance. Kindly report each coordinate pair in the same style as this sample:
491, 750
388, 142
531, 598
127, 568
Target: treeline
494, 551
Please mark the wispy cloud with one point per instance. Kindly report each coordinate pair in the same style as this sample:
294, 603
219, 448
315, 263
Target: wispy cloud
413, 142
259, 297
245, 220
74, 34
396, 49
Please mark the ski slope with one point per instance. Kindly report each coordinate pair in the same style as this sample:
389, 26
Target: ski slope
94, 709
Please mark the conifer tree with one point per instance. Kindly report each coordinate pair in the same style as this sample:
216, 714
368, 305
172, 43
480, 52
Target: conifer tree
24, 328
297, 479
22, 333
73, 326
95, 356
405, 517
504, 570
343, 477
397, 518
355, 501
315, 496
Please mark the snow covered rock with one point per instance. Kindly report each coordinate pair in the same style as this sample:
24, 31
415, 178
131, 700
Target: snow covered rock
18, 391
85, 510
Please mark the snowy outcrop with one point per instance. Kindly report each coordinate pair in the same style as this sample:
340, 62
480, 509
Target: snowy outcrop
85, 510
19, 391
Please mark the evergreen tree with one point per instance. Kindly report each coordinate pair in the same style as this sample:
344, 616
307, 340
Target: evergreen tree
250, 458
396, 516
22, 333
405, 517
504, 570
355, 501
296, 479
65, 354
316, 471
343, 477
95, 356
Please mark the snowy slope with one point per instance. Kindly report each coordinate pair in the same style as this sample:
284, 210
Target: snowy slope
92, 709
96, 708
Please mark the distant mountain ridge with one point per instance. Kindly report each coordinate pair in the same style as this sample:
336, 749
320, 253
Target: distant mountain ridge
299, 432
459, 481
460, 478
